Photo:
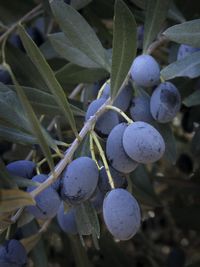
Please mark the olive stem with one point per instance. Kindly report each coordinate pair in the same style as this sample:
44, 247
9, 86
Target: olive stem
102, 154
102, 88
92, 151
120, 112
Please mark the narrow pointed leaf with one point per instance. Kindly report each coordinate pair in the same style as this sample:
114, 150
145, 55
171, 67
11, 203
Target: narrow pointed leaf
156, 13
10, 109
48, 76
188, 67
124, 45
79, 33
185, 33
73, 74
193, 99
13, 199
16, 136
41, 135
65, 49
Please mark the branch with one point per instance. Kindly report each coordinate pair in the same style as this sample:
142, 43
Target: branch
70, 151
161, 40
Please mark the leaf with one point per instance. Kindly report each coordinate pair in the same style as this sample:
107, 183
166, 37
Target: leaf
48, 76
78, 4
11, 109
175, 14
156, 12
22, 66
65, 49
124, 45
30, 242
79, 33
25, 218
44, 103
188, 66
93, 218
170, 142
13, 199
185, 33
193, 99
39, 255
42, 136
143, 188
73, 74
82, 220
16, 136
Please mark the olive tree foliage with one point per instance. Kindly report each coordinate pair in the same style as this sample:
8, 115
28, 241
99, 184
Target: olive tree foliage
57, 59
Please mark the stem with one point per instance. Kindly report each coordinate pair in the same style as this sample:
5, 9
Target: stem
102, 154
120, 112
24, 18
76, 91
161, 40
70, 151
92, 151
102, 88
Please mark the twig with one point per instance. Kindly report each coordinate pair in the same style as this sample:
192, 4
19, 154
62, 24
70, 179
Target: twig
161, 40
70, 151
76, 91
24, 18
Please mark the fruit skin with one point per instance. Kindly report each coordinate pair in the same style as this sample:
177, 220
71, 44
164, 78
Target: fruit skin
121, 214
47, 202
119, 180
140, 109
123, 100
22, 168
13, 254
115, 152
143, 143
4, 76
80, 180
145, 71
97, 200
107, 121
165, 102
67, 221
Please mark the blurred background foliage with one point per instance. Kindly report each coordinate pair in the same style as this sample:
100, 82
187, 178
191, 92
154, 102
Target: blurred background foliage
168, 191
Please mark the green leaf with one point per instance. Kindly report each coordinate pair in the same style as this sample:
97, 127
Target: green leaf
156, 12
65, 49
16, 136
170, 142
188, 66
48, 76
22, 66
78, 4
44, 103
82, 220
73, 74
30, 242
87, 220
185, 33
124, 45
79, 33
193, 99
41, 135
13, 199
11, 109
